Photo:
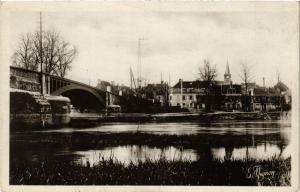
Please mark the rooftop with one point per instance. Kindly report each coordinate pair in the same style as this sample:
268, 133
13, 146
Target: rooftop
263, 91
281, 86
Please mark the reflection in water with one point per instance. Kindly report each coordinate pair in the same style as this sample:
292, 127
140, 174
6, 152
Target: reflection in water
221, 140
134, 154
259, 152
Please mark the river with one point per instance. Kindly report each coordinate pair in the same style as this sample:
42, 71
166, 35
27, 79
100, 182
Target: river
134, 142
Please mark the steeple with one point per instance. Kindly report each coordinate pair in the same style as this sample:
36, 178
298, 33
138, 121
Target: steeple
227, 75
227, 68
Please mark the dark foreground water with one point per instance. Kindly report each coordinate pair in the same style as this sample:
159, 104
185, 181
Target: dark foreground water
133, 142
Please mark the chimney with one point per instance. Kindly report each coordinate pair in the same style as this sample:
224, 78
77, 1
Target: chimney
264, 84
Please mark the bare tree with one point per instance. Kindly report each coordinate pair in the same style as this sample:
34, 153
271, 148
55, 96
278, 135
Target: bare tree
246, 78
65, 58
56, 54
208, 73
24, 56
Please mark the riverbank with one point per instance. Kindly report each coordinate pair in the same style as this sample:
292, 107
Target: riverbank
247, 172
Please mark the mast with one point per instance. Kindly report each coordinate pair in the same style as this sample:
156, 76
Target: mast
139, 66
132, 80
169, 79
41, 53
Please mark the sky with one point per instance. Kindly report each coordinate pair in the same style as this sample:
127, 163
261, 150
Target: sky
178, 39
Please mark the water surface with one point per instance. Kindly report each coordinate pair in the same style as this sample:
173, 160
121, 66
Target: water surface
219, 140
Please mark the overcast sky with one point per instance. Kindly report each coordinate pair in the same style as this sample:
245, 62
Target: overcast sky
178, 39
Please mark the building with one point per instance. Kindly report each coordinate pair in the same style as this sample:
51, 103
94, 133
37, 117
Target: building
185, 94
226, 96
230, 93
286, 94
231, 97
192, 94
265, 99
158, 93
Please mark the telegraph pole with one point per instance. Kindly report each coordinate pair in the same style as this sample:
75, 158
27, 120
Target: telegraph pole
41, 53
181, 100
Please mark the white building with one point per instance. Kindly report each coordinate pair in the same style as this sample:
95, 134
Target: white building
186, 94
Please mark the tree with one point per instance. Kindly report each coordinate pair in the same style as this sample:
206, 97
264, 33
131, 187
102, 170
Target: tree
208, 73
246, 78
56, 54
24, 56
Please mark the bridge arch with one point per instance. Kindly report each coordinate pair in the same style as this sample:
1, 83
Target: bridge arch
82, 95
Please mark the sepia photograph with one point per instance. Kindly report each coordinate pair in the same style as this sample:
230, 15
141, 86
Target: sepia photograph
187, 94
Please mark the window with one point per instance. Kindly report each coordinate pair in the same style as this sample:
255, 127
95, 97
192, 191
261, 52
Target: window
191, 97
170, 97
183, 104
183, 97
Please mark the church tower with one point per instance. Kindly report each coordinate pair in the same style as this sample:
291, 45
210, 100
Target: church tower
227, 75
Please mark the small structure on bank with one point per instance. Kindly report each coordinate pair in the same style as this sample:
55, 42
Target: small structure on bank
31, 109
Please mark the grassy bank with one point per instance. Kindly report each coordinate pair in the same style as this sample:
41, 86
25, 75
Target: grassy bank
271, 172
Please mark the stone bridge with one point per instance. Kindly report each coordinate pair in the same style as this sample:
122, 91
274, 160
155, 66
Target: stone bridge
82, 96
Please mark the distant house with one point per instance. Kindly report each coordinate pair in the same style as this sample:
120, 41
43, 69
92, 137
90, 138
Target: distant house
158, 93
231, 97
286, 94
265, 99
186, 94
